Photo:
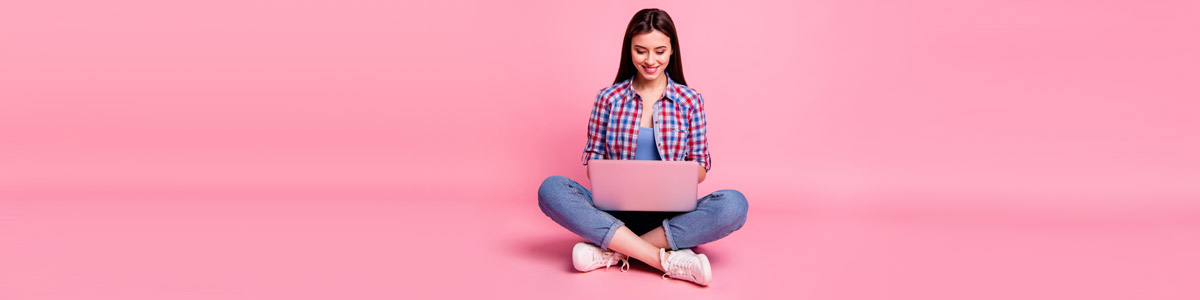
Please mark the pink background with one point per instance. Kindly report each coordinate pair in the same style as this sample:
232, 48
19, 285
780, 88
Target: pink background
959, 139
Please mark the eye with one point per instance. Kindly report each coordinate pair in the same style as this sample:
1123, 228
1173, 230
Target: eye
661, 52
641, 52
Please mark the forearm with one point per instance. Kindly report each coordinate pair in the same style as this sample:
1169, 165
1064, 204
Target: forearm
702, 174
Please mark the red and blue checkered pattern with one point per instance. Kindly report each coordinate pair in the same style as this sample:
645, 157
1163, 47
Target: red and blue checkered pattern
678, 120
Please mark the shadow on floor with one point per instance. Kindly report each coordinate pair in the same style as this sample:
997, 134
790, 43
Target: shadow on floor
556, 250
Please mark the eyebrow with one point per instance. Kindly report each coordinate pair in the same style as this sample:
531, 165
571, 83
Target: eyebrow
644, 47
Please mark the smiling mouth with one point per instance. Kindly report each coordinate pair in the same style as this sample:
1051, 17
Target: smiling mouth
649, 69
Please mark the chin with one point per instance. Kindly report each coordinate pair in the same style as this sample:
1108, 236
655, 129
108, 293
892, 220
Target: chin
648, 77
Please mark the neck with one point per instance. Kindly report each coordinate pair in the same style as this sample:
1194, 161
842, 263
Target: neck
642, 84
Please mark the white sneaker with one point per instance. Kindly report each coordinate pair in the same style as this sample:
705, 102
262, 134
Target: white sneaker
686, 265
588, 257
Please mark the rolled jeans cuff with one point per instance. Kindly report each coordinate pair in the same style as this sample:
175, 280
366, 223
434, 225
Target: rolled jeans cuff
612, 230
667, 231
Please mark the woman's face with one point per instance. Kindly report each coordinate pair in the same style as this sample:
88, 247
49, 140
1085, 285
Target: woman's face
651, 53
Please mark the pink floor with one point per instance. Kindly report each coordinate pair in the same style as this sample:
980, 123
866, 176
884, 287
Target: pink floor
928, 149
394, 247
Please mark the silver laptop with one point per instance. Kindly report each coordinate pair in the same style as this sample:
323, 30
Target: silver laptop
644, 185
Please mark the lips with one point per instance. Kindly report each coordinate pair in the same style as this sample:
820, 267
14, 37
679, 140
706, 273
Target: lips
649, 69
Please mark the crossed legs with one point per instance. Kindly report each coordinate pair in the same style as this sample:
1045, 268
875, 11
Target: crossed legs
570, 204
642, 248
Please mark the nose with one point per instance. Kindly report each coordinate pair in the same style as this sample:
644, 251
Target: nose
648, 60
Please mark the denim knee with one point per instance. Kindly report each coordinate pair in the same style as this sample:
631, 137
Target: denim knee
732, 208
550, 186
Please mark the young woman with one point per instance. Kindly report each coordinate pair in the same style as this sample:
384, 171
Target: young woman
649, 91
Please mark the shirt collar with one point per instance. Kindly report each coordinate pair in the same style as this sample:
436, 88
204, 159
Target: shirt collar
669, 92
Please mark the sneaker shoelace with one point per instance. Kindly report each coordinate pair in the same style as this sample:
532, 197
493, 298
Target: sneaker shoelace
681, 267
609, 256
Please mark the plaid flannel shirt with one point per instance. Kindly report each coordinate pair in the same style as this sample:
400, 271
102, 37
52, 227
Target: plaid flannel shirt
678, 119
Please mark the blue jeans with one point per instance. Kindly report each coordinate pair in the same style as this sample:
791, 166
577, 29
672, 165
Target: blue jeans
570, 204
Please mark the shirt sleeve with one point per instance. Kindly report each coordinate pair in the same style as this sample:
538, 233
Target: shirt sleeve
698, 141
597, 130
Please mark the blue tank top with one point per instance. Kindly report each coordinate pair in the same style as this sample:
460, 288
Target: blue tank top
646, 149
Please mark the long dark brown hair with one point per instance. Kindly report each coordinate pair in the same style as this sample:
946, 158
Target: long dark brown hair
645, 21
